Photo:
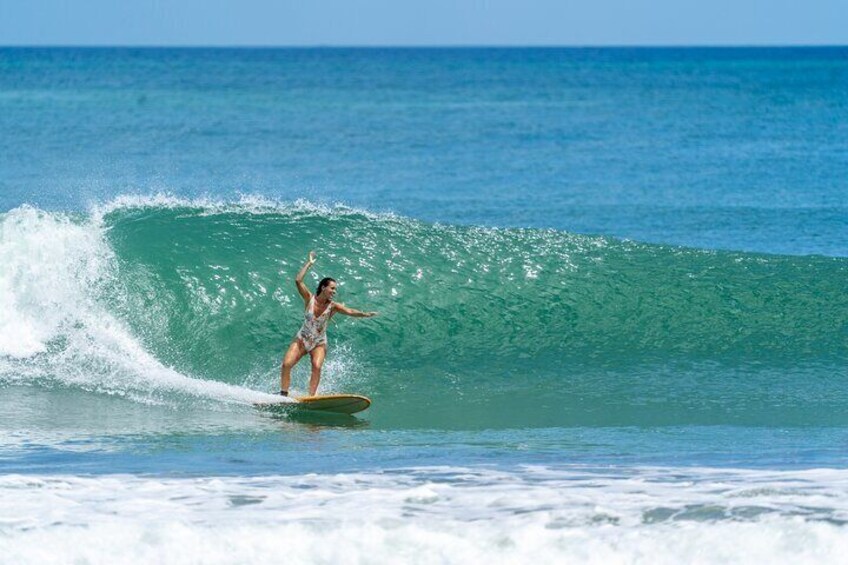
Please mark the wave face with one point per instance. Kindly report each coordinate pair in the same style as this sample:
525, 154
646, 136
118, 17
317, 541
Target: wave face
161, 299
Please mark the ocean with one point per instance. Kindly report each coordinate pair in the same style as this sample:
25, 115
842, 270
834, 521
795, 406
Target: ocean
611, 285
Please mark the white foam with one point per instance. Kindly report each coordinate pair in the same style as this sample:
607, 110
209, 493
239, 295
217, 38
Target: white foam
46, 260
53, 325
436, 515
244, 203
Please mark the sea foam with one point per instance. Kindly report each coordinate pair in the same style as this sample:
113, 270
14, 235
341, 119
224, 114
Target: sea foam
431, 515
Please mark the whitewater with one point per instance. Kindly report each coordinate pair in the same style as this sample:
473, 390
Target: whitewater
433, 515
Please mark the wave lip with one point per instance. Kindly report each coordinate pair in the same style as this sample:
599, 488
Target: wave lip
249, 204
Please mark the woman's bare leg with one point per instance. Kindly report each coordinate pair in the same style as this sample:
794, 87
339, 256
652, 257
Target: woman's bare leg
293, 355
317, 355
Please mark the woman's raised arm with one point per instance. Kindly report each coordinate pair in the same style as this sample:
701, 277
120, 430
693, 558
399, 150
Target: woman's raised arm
298, 280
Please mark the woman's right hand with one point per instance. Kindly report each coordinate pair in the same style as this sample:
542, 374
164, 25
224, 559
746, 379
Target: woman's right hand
311, 257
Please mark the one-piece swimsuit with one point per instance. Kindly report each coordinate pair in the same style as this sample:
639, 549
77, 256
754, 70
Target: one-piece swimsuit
313, 332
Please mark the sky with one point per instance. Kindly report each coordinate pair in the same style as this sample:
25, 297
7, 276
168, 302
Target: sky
423, 22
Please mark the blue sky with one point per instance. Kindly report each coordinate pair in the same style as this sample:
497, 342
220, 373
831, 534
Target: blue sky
430, 22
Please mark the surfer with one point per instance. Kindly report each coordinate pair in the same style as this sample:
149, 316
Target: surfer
312, 336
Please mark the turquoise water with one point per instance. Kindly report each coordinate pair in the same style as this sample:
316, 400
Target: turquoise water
611, 285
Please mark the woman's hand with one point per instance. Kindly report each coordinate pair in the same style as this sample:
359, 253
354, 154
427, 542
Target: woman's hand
369, 314
311, 259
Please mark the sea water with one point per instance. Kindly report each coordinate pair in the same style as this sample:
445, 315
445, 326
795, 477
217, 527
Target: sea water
611, 283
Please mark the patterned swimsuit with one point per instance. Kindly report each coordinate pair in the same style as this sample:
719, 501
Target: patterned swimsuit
313, 332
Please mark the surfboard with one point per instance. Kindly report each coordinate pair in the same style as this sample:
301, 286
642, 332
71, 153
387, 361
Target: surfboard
330, 403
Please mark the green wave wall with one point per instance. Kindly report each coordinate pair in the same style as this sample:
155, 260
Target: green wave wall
220, 283
532, 318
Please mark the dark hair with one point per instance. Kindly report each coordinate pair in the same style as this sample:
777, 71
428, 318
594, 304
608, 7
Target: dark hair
324, 282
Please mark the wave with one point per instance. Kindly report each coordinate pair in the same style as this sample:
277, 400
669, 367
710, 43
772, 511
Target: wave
224, 273
201, 292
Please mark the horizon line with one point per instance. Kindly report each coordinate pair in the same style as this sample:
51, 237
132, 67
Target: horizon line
427, 46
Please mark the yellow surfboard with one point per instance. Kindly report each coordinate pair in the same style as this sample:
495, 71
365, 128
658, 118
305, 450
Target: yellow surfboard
330, 403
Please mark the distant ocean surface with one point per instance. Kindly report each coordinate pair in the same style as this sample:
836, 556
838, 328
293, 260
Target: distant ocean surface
612, 285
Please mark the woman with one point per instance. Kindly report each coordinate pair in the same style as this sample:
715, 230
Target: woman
312, 336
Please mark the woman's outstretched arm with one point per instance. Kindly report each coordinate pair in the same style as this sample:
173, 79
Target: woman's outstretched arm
342, 309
